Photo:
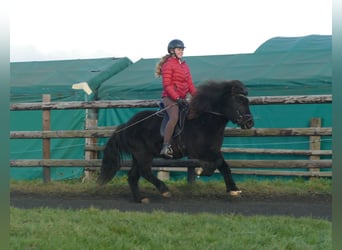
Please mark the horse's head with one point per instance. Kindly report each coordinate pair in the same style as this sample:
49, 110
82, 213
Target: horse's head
237, 109
227, 99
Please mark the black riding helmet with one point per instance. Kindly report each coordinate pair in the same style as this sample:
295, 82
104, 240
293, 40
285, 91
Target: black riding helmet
176, 43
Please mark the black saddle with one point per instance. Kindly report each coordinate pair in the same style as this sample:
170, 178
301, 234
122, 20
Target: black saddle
183, 111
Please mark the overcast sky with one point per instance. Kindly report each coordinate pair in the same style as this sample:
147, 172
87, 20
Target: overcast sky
68, 29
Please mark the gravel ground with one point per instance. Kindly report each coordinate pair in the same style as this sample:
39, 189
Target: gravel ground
315, 206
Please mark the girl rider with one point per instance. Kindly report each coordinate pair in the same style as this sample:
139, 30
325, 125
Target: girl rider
177, 83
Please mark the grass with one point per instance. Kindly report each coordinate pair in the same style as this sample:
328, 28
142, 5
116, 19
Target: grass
180, 188
95, 229
44, 228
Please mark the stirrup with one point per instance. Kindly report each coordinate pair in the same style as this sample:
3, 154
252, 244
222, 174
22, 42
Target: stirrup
167, 151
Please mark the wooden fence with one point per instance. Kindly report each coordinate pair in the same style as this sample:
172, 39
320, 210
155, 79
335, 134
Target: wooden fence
313, 164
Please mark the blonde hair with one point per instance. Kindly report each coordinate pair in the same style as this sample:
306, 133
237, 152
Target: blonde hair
158, 71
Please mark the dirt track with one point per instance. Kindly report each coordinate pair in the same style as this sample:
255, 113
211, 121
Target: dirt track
315, 206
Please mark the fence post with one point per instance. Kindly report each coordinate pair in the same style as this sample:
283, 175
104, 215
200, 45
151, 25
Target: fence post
315, 141
46, 141
191, 175
163, 175
91, 122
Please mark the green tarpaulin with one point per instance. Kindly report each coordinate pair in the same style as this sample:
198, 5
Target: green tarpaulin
29, 81
280, 66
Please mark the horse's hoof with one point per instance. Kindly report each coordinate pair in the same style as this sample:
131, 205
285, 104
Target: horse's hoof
198, 171
166, 194
145, 200
235, 193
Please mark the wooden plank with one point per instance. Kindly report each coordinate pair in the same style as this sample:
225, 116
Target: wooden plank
95, 163
91, 133
87, 105
273, 151
303, 99
254, 172
327, 131
287, 164
250, 151
283, 173
229, 132
251, 172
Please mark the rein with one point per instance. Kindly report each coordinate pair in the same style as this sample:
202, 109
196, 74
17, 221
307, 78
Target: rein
162, 110
147, 117
215, 113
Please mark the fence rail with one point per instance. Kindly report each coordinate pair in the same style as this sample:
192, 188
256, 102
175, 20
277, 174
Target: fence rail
97, 133
311, 166
182, 163
305, 99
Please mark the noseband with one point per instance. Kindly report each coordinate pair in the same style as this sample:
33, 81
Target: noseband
243, 119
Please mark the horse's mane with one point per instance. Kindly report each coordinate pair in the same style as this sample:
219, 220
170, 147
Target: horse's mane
211, 94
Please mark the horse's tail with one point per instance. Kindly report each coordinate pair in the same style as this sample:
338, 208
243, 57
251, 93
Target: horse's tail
111, 161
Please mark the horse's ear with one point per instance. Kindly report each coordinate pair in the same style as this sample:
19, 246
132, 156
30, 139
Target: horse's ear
235, 90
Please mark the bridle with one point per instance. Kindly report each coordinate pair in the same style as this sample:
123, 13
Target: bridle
242, 119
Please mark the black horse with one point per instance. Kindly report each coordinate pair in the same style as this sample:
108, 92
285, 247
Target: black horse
214, 104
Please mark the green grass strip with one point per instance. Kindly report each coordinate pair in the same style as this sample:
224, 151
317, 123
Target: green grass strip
44, 228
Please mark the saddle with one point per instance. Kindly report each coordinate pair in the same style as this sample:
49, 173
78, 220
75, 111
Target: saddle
183, 111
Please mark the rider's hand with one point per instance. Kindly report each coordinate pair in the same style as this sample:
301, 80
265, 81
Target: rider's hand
182, 103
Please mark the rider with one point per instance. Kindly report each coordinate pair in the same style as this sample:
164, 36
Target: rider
177, 83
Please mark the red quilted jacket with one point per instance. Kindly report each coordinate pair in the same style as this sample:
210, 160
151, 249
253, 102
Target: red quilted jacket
177, 80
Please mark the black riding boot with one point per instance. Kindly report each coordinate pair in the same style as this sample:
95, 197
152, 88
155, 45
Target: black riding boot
167, 151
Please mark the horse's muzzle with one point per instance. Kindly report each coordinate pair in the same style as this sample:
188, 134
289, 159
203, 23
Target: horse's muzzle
246, 121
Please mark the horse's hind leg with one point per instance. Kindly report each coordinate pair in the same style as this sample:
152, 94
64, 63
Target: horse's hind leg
133, 179
145, 171
144, 163
160, 185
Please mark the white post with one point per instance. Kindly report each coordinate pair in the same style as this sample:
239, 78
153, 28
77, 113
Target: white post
90, 122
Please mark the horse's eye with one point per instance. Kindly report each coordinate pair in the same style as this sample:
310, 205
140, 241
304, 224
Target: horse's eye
243, 99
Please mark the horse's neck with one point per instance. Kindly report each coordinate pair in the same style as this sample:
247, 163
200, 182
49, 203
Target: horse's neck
214, 121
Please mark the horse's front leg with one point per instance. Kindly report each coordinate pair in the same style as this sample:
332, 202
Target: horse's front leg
228, 179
